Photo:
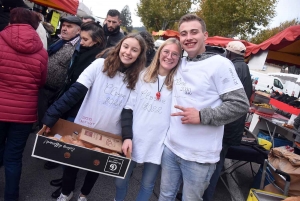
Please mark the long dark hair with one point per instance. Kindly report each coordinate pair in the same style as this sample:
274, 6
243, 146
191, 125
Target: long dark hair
113, 62
96, 32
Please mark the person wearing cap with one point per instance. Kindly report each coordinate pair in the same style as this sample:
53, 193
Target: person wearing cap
88, 18
235, 53
112, 28
233, 131
60, 54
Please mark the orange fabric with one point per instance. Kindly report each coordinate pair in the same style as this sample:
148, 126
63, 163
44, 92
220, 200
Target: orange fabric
69, 6
166, 34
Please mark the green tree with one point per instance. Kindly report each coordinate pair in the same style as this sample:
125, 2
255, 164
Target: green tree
162, 14
263, 35
230, 18
126, 19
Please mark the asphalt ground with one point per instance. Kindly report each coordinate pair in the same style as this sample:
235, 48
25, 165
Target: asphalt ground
34, 185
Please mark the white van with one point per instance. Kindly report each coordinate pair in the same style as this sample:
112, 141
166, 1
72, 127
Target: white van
291, 83
264, 82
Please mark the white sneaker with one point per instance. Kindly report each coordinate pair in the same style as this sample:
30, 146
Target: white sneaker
63, 197
82, 198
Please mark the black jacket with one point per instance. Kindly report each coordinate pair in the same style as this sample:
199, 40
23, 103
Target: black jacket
113, 37
243, 72
149, 56
4, 18
67, 101
233, 131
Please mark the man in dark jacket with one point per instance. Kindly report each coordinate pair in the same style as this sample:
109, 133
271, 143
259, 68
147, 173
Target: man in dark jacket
112, 28
60, 54
233, 131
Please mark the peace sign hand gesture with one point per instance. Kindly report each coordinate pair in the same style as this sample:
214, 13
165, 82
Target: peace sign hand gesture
189, 115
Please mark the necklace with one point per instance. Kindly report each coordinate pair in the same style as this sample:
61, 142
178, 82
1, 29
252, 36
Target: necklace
159, 90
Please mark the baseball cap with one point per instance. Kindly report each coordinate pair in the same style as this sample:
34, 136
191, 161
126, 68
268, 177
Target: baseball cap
236, 47
72, 19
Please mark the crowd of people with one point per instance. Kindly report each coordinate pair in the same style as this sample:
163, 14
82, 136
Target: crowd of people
184, 101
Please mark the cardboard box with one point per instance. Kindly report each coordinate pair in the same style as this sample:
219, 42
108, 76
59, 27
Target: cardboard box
101, 140
76, 156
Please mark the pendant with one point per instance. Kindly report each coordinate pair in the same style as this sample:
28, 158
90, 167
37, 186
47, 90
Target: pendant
158, 95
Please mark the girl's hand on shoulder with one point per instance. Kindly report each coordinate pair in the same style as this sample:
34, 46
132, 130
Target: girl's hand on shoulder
127, 146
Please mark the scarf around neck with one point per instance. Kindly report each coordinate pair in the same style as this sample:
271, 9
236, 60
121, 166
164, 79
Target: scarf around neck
56, 46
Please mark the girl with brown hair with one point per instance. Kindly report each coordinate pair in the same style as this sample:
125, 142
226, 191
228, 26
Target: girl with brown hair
106, 85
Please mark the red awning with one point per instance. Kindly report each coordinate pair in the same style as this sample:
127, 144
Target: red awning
222, 41
284, 47
213, 41
69, 6
166, 34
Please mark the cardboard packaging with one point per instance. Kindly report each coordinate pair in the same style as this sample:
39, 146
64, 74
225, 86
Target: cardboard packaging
101, 140
80, 157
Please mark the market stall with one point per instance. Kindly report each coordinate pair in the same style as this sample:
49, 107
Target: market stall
283, 48
68, 6
223, 41
212, 41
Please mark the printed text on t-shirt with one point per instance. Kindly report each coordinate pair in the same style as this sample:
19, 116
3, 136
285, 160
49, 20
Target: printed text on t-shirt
183, 87
233, 77
151, 103
87, 121
113, 96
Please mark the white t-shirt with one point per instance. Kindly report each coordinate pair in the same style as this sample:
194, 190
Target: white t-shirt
42, 34
104, 101
199, 85
151, 120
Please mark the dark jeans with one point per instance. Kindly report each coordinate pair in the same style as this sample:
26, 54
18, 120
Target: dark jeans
209, 192
13, 137
69, 179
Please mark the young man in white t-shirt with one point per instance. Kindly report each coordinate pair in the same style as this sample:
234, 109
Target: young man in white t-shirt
207, 94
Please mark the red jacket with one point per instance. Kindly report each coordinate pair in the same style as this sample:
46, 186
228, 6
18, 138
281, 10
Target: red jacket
23, 70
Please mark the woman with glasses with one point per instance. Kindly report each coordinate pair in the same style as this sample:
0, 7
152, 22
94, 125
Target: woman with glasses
145, 119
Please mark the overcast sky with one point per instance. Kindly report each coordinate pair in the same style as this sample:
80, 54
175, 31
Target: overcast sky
285, 10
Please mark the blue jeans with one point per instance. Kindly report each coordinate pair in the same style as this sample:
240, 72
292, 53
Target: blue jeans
150, 173
13, 137
209, 192
195, 177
